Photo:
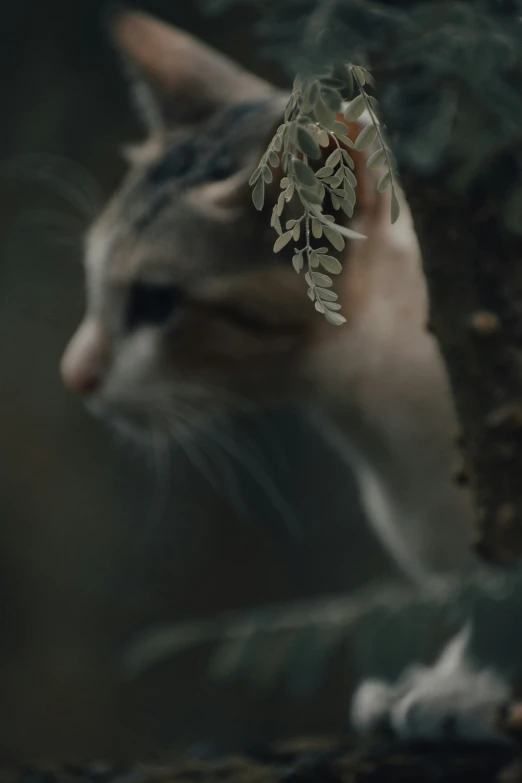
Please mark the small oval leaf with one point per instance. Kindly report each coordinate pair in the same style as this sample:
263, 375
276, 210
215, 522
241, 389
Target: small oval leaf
281, 241
377, 159
326, 294
355, 108
304, 173
307, 144
333, 159
384, 182
255, 176
326, 171
366, 137
334, 318
267, 174
320, 279
395, 207
319, 306
333, 237
297, 262
258, 194
331, 264
324, 140
317, 229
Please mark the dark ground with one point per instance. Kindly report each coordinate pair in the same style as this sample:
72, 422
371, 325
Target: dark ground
305, 761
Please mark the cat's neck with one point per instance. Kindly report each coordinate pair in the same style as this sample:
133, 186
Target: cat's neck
384, 387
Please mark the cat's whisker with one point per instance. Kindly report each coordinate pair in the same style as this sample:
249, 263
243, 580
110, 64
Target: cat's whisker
160, 454
80, 190
262, 477
67, 229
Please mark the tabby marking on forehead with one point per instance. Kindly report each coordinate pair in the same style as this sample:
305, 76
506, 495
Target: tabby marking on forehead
211, 153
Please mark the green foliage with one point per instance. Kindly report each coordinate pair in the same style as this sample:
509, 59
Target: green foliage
310, 126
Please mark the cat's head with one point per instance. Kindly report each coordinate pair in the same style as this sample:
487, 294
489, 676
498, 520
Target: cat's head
189, 311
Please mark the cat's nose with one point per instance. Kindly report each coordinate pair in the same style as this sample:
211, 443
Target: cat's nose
84, 362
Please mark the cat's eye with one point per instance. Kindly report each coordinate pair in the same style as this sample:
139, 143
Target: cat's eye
152, 304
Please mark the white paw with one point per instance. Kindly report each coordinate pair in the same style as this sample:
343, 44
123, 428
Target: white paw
449, 700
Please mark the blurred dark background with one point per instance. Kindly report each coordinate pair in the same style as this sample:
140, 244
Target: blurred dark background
98, 541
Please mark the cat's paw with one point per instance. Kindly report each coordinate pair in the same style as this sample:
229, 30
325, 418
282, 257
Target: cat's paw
450, 700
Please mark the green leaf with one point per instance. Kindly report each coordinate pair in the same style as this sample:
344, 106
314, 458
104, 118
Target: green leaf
280, 204
290, 223
332, 98
335, 201
255, 176
326, 171
281, 241
273, 157
275, 222
319, 306
309, 196
258, 194
354, 109
350, 177
331, 264
333, 237
267, 174
277, 143
297, 261
324, 114
326, 294
323, 138
395, 207
320, 279
366, 137
340, 130
284, 183
317, 229
360, 73
333, 159
347, 208
311, 293
346, 140
384, 182
344, 73
289, 192
313, 259
307, 143
376, 160
334, 318
332, 305
349, 193
296, 231
368, 78
348, 159
304, 173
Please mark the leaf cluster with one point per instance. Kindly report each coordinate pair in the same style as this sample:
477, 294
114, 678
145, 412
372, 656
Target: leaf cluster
312, 123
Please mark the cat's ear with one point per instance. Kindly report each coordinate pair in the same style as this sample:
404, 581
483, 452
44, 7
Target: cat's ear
177, 79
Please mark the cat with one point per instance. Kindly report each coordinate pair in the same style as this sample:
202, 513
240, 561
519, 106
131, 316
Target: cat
191, 315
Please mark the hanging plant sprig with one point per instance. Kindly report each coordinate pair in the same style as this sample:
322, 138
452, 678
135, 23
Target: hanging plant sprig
310, 126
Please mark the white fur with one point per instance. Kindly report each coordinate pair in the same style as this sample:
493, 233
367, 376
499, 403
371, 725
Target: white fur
449, 700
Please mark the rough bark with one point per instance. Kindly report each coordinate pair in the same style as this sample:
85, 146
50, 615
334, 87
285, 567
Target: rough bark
454, 121
474, 274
